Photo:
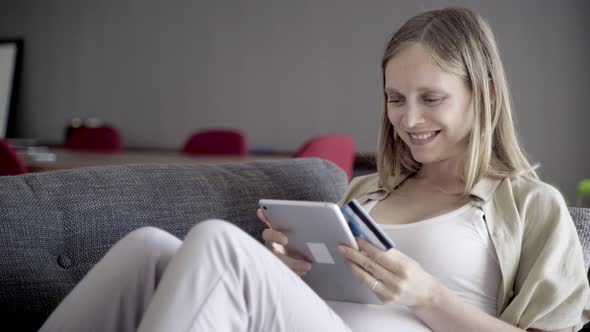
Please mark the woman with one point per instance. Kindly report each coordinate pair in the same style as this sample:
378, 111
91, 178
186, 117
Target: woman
483, 244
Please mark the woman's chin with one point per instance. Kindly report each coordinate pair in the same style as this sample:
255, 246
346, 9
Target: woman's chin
423, 158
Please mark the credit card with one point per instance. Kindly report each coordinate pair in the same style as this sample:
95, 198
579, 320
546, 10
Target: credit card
362, 225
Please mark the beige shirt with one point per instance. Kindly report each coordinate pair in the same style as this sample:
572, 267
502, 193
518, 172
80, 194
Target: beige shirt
544, 282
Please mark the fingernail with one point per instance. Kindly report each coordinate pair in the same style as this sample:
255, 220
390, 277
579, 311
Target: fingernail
341, 249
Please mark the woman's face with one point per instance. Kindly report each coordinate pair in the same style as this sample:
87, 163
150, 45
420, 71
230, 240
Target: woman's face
430, 109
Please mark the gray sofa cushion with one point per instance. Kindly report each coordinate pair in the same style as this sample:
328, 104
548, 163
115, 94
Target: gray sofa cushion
581, 217
55, 226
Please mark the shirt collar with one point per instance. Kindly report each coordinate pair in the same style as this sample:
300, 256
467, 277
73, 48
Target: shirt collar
485, 188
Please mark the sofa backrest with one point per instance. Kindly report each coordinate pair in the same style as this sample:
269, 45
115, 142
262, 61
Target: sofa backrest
55, 226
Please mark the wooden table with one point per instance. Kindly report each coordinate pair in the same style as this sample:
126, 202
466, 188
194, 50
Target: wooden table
66, 159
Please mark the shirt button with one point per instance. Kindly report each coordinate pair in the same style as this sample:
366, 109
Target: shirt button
64, 261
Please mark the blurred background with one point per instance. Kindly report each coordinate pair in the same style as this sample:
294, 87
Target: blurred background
280, 71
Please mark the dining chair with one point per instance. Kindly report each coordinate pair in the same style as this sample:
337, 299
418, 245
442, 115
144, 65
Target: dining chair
10, 162
216, 142
339, 149
100, 139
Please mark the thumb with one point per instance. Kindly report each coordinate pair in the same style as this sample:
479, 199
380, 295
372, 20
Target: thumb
262, 217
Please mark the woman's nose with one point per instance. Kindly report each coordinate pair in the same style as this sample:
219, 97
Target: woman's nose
412, 117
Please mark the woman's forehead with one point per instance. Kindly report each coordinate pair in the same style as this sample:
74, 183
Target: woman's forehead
413, 69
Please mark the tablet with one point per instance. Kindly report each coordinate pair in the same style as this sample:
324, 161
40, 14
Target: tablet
315, 230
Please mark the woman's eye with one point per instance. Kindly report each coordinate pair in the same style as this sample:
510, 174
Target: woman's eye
432, 100
395, 100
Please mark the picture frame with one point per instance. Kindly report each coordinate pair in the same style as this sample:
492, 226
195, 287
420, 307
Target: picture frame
11, 55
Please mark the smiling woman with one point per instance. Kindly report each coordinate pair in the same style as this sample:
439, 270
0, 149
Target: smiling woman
450, 167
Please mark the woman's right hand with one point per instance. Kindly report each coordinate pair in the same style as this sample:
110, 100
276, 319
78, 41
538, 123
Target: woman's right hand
275, 241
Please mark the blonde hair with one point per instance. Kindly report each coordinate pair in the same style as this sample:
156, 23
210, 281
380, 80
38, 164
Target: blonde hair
461, 43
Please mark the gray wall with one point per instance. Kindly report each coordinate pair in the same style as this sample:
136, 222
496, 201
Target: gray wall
282, 71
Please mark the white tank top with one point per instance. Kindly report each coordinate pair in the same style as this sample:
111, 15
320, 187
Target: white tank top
455, 248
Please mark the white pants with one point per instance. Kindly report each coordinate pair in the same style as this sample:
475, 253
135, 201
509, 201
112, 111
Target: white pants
218, 279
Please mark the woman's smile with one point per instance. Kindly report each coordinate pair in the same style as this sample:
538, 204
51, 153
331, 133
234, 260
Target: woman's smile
423, 137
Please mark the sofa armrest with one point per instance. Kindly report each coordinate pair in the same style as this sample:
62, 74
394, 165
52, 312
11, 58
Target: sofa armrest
581, 217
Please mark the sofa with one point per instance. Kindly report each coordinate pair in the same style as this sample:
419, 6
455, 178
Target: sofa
56, 225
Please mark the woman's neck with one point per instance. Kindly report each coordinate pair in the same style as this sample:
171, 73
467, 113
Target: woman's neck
445, 175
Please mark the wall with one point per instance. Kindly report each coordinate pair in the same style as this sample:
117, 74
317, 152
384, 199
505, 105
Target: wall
282, 71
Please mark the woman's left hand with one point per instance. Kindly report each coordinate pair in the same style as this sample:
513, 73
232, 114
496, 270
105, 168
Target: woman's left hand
399, 278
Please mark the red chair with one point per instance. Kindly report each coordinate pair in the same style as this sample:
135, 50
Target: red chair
101, 139
10, 162
338, 149
216, 142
